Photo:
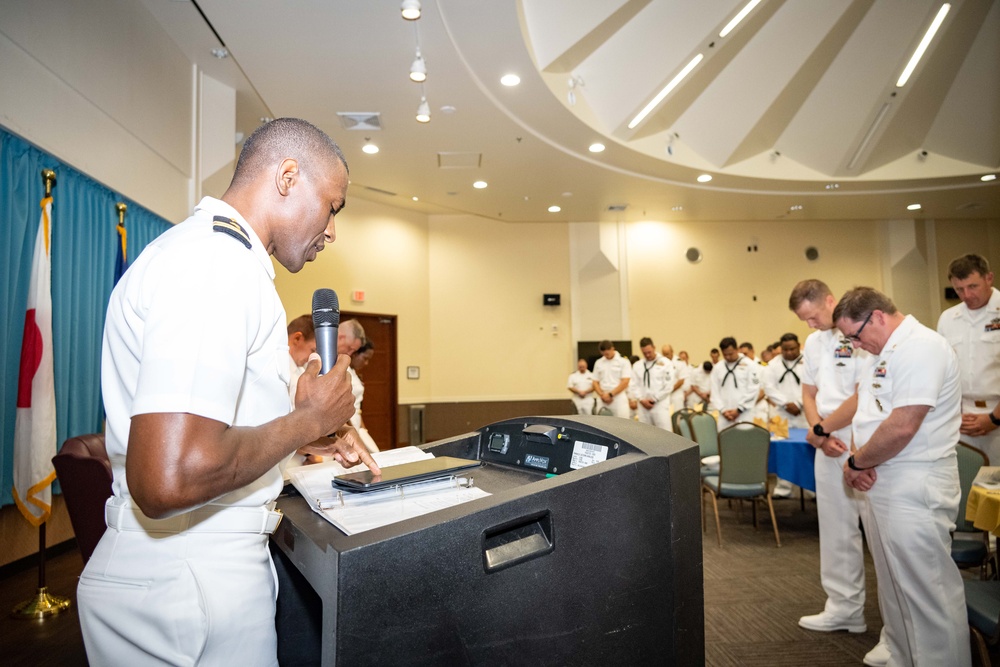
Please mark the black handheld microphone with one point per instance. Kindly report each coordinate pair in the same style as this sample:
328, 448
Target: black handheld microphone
326, 319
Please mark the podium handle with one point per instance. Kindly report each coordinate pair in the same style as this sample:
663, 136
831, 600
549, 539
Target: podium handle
517, 541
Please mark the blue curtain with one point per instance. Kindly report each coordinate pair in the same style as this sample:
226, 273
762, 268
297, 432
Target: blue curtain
83, 249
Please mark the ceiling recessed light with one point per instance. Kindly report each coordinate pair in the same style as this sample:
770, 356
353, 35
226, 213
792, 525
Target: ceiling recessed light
510, 80
596, 147
913, 207
796, 207
220, 53
371, 149
415, 198
988, 177
676, 208
832, 186
704, 178
479, 185
666, 91
554, 209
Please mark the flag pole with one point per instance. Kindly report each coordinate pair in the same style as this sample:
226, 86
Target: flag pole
42, 605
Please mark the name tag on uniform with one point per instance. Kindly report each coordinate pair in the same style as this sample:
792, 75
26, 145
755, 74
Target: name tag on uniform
980, 404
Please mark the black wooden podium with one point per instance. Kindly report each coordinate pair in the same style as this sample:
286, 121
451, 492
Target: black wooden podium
561, 565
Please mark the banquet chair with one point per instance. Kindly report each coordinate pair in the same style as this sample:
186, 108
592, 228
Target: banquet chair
742, 473
706, 433
982, 603
678, 417
84, 473
970, 546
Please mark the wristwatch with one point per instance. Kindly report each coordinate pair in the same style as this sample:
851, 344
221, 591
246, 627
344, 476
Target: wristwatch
994, 419
818, 430
850, 464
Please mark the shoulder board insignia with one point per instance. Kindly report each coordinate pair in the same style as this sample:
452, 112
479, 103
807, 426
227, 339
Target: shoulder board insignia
232, 228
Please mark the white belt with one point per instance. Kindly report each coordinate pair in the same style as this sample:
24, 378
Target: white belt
121, 515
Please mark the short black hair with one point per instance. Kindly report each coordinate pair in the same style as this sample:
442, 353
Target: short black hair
727, 343
789, 336
646, 340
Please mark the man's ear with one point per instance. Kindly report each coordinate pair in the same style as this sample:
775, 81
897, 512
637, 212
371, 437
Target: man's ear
297, 336
286, 176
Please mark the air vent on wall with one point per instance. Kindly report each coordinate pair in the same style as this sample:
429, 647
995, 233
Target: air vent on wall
617, 207
361, 121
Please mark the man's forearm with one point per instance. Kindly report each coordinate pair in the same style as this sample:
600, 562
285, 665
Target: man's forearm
891, 436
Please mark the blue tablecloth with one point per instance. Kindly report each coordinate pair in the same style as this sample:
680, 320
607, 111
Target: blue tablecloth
792, 458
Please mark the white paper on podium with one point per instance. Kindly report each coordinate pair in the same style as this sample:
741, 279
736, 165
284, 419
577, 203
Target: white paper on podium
356, 512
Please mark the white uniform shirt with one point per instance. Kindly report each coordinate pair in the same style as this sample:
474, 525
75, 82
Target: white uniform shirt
916, 367
681, 370
195, 325
580, 381
697, 378
783, 385
831, 365
652, 379
736, 386
975, 336
358, 389
609, 372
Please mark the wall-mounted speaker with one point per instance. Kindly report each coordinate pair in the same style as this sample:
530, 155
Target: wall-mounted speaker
550, 299
812, 254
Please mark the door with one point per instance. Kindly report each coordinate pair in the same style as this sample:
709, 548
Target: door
381, 393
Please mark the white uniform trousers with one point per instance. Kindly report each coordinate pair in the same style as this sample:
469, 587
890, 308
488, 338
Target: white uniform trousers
841, 551
659, 415
193, 598
584, 404
989, 444
618, 406
911, 510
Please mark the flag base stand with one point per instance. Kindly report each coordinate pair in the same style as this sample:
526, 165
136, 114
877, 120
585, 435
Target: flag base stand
41, 606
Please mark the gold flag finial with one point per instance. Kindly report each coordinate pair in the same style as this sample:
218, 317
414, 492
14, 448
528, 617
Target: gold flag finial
49, 177
121, 208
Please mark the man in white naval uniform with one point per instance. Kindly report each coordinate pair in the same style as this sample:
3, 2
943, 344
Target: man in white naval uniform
197, 424
735, 386
973, 330
651, 385
612, 373
581, 385
681, 369
783, 389
698, 386
783, 382
829, 401
903, 460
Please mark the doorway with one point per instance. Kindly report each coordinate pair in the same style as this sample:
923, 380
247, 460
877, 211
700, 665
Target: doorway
381, 391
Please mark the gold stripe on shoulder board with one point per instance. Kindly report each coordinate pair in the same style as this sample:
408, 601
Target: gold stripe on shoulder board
232, 228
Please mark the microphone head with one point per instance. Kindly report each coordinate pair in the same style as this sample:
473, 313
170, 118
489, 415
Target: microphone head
326, 308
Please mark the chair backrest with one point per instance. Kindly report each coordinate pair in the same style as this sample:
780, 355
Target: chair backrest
970, 460
84, 473
743, 454
706, 433
683, 428
678, 417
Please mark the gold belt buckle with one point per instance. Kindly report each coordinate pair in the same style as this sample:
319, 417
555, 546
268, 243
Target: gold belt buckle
980, 404
281, 515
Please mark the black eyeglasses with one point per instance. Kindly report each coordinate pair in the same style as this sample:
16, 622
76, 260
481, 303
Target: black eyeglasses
857, 334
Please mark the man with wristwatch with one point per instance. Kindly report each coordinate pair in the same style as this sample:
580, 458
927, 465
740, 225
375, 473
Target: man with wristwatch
905, 433
829, 380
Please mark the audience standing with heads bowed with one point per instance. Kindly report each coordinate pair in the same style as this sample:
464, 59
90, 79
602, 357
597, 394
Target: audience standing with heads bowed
197, 424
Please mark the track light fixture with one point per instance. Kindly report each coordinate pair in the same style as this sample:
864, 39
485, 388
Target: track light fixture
410, 10
423, 111
418, 70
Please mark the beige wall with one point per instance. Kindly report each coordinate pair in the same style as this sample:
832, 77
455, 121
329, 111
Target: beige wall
693, 306
492, 337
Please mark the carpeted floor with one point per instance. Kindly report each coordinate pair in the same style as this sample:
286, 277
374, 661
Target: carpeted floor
754, 595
